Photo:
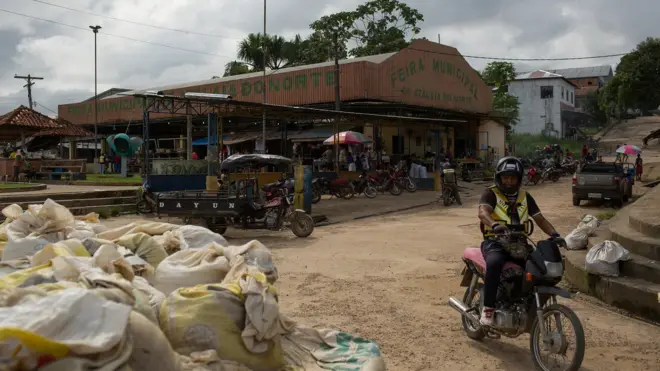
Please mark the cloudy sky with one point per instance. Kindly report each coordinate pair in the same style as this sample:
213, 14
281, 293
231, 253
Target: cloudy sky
64, 55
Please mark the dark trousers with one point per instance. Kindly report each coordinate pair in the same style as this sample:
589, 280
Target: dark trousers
17, 170
496, 256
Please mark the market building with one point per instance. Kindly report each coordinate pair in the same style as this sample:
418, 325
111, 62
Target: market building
426, 80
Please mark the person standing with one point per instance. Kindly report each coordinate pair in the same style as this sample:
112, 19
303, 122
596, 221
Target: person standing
639, 167
102, 163
18, 163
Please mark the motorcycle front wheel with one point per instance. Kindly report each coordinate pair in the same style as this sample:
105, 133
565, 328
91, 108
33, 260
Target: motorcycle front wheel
316, 195
555, 342
370, 191
302, 225
395, 189
411, 186
346, 192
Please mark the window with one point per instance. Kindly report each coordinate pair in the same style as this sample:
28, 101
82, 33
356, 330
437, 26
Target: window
397, 144
590, 82
418, 141
562, 93
572, 98
547, 92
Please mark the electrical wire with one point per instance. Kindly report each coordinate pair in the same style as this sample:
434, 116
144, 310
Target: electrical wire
134, 22
523, 59
117, 36
224, 56
42, 106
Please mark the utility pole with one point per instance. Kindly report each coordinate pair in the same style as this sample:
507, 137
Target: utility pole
337, 98
29, 84
263, 82
96, 29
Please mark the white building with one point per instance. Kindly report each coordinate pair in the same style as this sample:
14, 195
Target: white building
543, 96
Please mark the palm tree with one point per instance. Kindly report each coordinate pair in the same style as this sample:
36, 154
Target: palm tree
250, 51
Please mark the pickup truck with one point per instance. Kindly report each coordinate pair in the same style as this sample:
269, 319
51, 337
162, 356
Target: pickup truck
601, 181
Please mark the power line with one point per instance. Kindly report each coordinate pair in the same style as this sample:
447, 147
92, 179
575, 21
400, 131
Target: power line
42, 106
117, 36
134, 22
224, 56
524, 59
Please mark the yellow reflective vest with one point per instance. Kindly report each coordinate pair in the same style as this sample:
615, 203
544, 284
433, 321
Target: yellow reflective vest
500, 213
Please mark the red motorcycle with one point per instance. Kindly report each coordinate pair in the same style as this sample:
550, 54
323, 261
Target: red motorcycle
404, 180
386, 182
533, 176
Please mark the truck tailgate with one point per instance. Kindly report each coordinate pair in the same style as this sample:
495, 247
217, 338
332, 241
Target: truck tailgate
596, 180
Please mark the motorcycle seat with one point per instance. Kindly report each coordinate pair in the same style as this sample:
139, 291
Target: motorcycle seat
475, 255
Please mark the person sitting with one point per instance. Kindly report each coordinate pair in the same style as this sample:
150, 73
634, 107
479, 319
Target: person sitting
502, 205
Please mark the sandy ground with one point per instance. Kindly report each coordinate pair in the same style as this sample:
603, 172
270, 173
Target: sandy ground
388, 279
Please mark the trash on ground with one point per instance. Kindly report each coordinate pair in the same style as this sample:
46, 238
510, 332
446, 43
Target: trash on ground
148, 295
603, 258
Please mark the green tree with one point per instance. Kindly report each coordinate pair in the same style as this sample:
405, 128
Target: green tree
235, 68
635, 84
592, 106
499, 75
378, 26
280, 53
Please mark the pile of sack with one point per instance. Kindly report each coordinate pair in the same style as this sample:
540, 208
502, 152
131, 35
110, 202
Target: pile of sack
149, 295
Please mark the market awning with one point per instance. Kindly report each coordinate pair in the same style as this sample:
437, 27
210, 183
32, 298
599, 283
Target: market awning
205, 141
311, 135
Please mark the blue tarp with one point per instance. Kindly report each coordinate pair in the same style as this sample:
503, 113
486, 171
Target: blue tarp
204, 141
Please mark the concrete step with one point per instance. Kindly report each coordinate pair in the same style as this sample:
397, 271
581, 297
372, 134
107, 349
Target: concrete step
105, 210
645, 220
635, 295
83, 202
635, 241
75, 195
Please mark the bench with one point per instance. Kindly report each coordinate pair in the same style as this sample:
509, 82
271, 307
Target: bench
58, 169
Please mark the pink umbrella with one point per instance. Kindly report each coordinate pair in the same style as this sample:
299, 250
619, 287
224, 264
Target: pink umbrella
629, 149
349, 137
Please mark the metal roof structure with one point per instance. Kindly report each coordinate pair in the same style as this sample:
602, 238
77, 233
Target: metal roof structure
541, 74
604, 71
378, 58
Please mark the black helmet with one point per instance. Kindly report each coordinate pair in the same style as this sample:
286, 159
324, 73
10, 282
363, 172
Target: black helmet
508, 166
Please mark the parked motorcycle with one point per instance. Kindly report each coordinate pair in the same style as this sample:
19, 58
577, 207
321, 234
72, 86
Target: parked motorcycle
533, 176
385, 182
404, 180
550, 173
361, 185
526, 302
340, 188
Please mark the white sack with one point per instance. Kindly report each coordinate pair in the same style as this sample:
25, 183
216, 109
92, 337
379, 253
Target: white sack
578, 239
603, 258
589, 221
188, 268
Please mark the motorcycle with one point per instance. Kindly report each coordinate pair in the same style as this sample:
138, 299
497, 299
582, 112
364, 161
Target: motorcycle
448, 197
340, 188
385, 182
404, 180
361, 185
526, 301
550, 173
533, 176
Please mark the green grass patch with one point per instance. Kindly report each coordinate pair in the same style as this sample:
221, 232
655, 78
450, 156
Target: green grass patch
111, 178
525, 144
606, 215
15, 185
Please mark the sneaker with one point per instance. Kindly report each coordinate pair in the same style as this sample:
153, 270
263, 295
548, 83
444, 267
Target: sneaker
487, 316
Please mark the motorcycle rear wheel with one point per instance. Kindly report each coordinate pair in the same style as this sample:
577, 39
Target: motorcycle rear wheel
446, 197
143, 207
535, 345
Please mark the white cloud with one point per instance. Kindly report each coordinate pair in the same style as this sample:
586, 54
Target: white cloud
64, 55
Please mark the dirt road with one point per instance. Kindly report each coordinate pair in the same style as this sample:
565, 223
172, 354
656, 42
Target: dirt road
388, 279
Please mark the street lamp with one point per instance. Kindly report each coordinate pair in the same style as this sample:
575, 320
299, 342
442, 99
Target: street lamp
96, 29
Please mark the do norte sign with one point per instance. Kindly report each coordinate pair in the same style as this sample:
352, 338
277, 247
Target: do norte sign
425, 74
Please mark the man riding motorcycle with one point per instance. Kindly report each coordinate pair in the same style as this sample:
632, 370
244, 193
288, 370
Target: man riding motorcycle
501, 205
448, 178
